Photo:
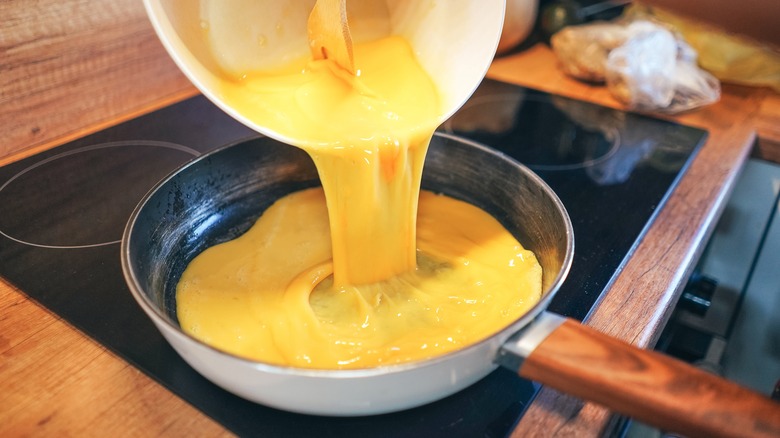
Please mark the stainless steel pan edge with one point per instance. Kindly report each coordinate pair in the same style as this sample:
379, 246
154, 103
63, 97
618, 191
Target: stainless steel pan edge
185, 201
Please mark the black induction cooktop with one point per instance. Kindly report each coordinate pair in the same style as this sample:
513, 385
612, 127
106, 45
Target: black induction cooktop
62, 213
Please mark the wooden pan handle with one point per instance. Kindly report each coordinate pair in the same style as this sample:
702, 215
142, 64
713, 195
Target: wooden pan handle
648, 386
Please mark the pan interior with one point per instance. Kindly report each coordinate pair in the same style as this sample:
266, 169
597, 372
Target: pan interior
220, 195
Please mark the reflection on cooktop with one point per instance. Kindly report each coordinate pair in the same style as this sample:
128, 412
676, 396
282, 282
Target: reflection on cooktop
520, 124
553, 133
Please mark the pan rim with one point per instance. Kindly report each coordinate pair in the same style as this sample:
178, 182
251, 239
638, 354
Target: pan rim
495, 340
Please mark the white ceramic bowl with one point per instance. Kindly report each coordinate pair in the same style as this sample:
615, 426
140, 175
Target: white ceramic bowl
454, 40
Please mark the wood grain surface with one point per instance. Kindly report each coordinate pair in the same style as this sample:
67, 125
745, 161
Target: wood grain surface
71, 67
58, 382
649, 386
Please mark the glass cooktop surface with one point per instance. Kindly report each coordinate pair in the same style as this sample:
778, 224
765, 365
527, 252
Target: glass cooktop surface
64, 211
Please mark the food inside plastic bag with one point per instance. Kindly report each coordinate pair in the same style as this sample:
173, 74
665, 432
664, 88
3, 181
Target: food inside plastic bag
644, 65
583, 49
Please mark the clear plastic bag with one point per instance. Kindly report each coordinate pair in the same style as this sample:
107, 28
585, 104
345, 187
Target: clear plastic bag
645, 65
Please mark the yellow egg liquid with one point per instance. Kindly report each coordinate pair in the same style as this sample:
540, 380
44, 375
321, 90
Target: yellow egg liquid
356, 274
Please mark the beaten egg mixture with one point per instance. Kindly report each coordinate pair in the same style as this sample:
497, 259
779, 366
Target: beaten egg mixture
356, 274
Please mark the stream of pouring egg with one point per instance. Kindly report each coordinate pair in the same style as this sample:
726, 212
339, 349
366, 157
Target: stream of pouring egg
356, 274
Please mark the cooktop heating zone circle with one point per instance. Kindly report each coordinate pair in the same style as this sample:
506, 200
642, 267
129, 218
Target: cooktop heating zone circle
82, 197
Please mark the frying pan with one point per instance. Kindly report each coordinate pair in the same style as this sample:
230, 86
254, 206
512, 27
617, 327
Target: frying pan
218, 196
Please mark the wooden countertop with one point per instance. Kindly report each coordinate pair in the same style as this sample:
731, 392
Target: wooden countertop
57, 381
